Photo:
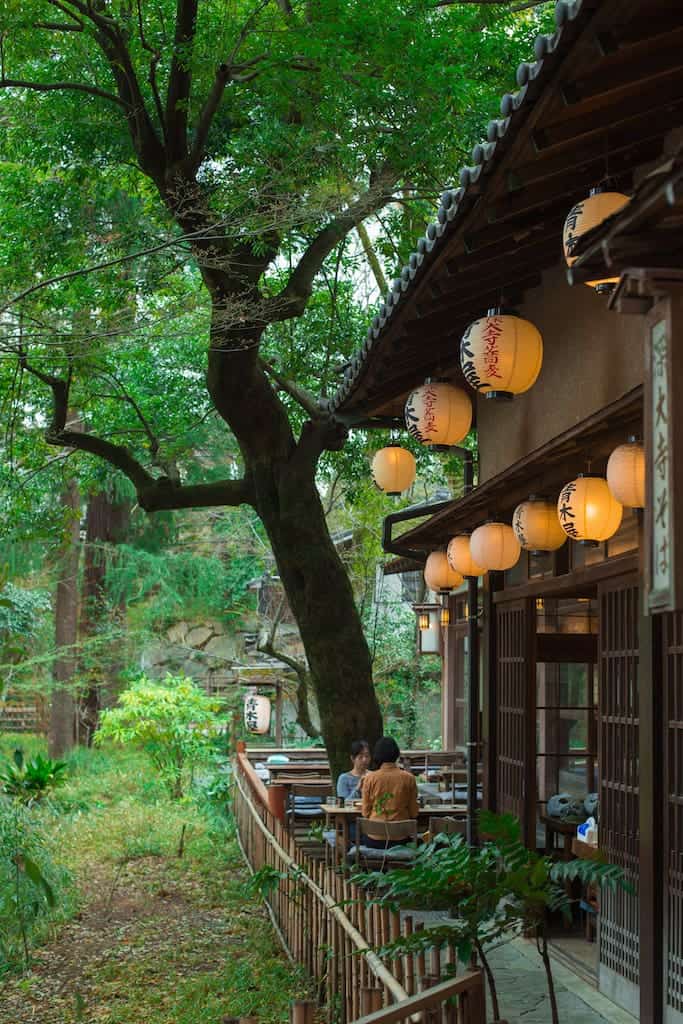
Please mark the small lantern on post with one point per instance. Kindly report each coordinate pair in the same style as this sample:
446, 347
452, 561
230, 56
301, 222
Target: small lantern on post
438, 414
429, 631
626, 473
460, 559
393, 470
495, 546
536, 526
597, 207
588, 511
256, 712
501, 354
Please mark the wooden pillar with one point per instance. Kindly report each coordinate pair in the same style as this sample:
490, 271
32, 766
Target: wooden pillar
651, 826
489, 703
450, 684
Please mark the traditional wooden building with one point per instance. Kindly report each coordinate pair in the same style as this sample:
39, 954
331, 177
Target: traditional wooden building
580, 679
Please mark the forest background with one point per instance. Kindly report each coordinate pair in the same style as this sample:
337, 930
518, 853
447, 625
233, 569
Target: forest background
313, 140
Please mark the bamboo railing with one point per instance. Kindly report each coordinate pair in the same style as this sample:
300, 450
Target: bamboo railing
329, 927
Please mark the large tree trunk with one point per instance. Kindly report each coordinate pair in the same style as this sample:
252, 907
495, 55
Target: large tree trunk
281, 471
321, 598
62, 728
105, 524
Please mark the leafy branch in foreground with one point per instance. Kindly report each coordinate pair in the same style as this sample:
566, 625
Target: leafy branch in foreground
490, 892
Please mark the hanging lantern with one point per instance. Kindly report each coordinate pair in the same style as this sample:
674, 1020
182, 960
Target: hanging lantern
586, 215
626, 474
588, 511
495, 546
393, 469
501, 354
445, 616
536, 526
438, 574
256, 713
423, 620
460, 556
438, 414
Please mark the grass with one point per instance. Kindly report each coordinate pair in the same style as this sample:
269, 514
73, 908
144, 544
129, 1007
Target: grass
159, 938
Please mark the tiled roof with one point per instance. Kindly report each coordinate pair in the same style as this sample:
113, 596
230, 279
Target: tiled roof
569, 16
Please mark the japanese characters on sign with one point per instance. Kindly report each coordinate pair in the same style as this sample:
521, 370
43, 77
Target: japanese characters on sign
661, 522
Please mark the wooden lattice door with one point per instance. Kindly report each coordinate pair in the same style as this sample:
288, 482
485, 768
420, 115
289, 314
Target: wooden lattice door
515, 713
618, 761
672, 646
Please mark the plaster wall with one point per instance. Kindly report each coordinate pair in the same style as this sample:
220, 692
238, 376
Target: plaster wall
592, 357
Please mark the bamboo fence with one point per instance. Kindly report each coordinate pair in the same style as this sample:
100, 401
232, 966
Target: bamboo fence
327, 925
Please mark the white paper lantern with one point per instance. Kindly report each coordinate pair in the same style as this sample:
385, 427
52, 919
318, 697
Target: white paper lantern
495, 546
536, 526
438, 574
460, 556
393, 469
501, 354
626, 474
438, 414
256, 713
588, 511
597, 207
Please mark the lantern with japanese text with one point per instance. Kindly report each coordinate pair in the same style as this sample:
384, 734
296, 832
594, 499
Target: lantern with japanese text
588, 511
438, 574
536, 526
495, 546
460, 556
256, 713
597, 207
393, 469
626, 474
438, 414
501, 354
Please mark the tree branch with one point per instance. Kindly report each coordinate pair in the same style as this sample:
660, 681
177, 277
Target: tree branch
372, 259
292, 300
92, 90
153, 493
304, 398
180, 80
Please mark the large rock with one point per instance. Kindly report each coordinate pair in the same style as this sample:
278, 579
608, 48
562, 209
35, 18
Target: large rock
221, 647
177, 633
198, 636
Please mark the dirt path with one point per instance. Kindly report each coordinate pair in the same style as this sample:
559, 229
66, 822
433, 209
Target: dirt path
154, 945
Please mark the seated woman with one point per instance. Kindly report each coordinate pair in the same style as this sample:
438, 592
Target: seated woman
389, 793
349, 783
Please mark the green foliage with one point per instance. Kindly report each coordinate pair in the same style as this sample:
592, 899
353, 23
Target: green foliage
490, 892
31, 780
32, 888
174, 722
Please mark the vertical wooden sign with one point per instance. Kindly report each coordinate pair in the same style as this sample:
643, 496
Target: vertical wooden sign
664, 453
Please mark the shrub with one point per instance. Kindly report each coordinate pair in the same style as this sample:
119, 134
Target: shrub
173, 721
31, 780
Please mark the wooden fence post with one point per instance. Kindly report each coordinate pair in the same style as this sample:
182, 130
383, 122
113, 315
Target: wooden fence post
370, 1000
302, 1011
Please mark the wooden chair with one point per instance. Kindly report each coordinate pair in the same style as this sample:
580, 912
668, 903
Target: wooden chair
404, 831
448, 826
304, 800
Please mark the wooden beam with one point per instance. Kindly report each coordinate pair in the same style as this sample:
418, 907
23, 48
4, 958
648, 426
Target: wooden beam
650, 98
626, 70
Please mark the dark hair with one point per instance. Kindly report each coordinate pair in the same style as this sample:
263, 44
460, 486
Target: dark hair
358, 746
385, 750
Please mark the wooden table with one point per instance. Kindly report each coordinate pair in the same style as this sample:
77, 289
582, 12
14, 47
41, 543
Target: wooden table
562, 827
319, 769
340, 817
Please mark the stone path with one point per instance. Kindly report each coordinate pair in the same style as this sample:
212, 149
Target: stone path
523, 995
